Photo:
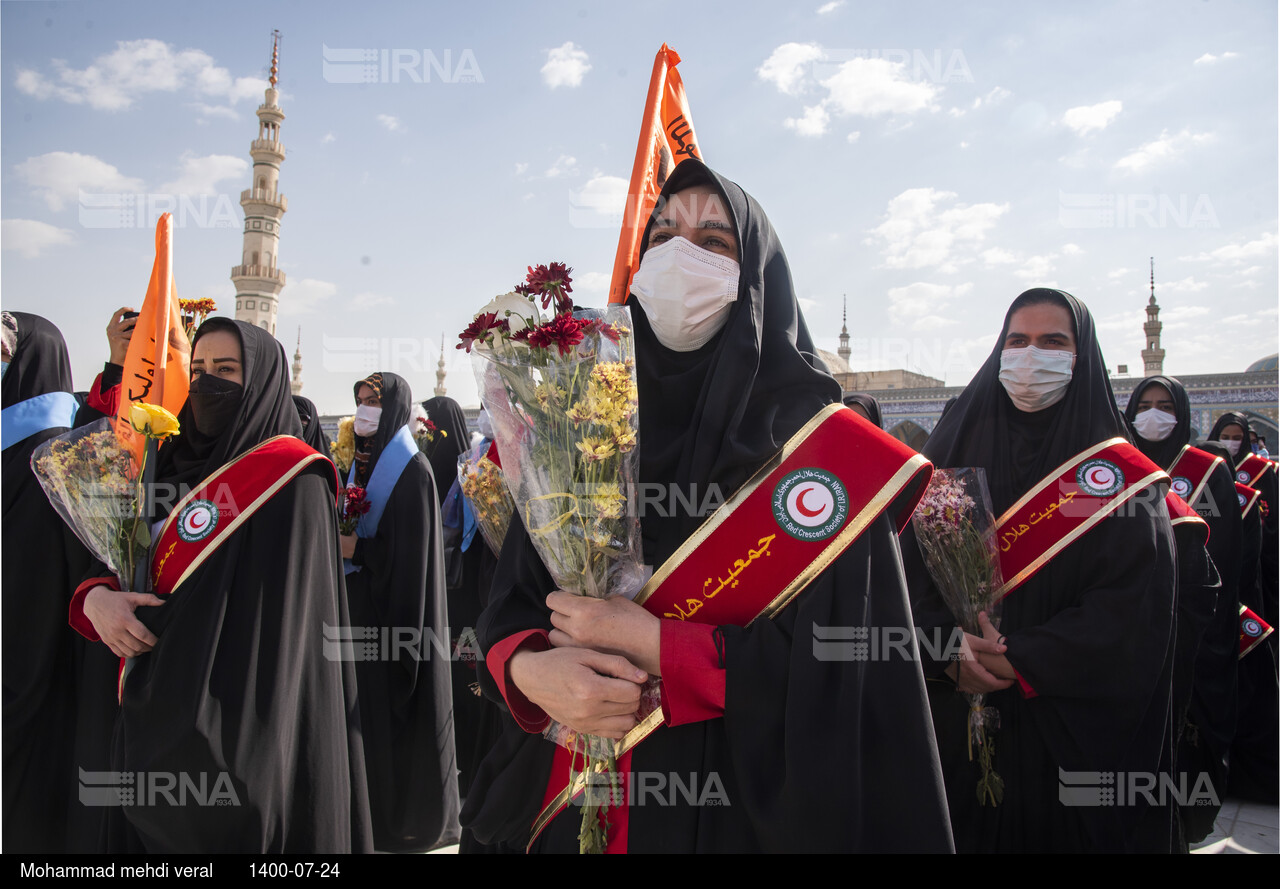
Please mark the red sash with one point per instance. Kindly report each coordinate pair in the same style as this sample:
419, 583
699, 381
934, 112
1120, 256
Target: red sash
1067, 503
1247, 497
205, 518
1253, 630
795, 516
1251, 468
1190, 472
1180, 513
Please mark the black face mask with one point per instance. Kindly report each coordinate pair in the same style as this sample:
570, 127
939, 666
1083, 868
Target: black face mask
214, 403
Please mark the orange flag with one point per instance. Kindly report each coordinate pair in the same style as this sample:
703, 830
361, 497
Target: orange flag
156, 374
666, 139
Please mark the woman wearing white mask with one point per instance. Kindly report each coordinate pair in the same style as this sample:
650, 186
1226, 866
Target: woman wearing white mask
1204, 676
1088, 610
785, 749
395, 584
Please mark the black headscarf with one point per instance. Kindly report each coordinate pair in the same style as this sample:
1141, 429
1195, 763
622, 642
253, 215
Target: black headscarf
39, 365
1019, 448
449, 418
312, 431
1231, 418
868, 404
1162, 453
266, 410
397, 406
714, 415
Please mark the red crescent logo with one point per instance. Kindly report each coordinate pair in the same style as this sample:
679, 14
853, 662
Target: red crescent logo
804, 510
198, 520
1093, 477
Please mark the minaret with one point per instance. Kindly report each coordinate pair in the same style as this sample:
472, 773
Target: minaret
1152, 355
843, 351
296, 383
440, 369
258, 281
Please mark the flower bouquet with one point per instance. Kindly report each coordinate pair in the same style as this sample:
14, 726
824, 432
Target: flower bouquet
94, 484
194, 311
355, 503
343, 448
561, 393
486, 491
956, 530
426, 434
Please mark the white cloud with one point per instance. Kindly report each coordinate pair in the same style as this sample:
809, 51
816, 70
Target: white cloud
390, 121
994, 97
327, 138
564, 165
201, 175
31, 238
307, 294
1209, 58
997, 256
918, 306
1165, 148
872, 87
223, 111
603, 194
1263, 248
1037, 268
1186, 285
919, 231
60, 176
813, 123
1084, 119
830, 7
1119, 273
787, 65
1071, 249
595, 284
853, 137
370, 300
521, 169
114, 81
566, 66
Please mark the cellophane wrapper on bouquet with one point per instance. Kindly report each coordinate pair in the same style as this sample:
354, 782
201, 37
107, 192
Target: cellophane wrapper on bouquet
486, 491
956, 529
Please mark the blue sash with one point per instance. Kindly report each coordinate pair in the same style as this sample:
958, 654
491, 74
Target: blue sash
386, 472
53, 410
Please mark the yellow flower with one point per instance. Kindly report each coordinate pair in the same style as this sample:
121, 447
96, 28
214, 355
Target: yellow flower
153, 421
344, 449
595, 449
625, 438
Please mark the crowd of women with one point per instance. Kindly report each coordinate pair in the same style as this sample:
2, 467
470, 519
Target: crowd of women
1118, 652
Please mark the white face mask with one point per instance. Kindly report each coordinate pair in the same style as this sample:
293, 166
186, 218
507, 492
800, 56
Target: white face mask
1232, 446
1154, 424
1035, 378
686, 293
367, 420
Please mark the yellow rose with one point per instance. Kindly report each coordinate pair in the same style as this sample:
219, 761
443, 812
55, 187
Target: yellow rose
153, 421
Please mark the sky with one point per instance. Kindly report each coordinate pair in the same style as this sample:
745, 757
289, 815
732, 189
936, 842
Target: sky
926, 161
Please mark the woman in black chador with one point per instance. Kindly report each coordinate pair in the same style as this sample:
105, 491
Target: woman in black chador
1083, 680
800, 752
236, 688
395, 580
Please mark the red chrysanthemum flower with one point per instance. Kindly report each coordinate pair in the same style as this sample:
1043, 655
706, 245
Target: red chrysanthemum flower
551, 283
562, 331
479, 330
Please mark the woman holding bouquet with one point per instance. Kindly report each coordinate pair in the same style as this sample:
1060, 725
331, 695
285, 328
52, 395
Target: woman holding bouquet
395, 582
1087, 554
785, 751
230, 693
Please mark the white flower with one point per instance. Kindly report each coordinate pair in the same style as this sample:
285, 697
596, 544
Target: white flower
520, 311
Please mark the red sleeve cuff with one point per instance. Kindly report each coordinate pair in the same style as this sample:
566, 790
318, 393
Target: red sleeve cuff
107, 402
528, 715
1024, 686
692, 678
75, 613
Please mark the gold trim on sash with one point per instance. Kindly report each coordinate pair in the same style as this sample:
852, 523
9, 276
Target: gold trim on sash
1055, 474
1213, 464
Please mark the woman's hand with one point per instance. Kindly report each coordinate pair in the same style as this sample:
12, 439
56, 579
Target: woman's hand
613, 626
111, 613
980, 658
590, 692
348, 545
